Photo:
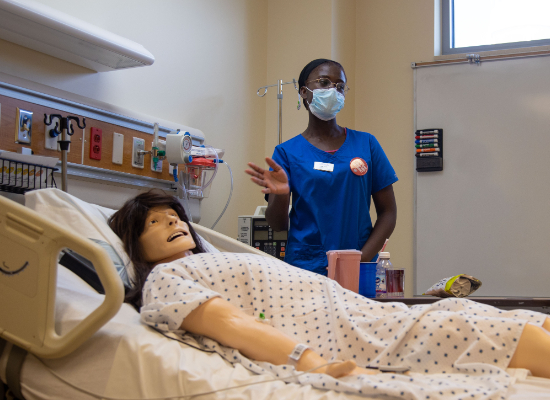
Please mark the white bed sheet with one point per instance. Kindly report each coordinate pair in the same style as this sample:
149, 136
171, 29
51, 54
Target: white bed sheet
128, 360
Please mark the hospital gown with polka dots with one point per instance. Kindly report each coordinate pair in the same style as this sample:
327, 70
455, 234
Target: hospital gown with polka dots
454, 338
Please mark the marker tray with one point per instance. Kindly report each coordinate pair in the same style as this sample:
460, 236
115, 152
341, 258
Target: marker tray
430, 163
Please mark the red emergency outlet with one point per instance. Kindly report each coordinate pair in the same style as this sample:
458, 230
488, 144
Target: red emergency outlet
95, 143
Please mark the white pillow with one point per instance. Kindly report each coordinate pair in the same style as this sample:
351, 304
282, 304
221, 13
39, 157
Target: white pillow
87, 219
207, 246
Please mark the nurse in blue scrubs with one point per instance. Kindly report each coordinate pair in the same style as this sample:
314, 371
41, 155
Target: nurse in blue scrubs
331, 173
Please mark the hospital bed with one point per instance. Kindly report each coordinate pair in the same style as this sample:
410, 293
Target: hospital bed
85, 345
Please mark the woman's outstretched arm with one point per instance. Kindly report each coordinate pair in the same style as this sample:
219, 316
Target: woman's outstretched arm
229, 326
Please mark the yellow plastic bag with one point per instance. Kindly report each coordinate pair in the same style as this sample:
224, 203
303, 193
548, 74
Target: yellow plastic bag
455, 286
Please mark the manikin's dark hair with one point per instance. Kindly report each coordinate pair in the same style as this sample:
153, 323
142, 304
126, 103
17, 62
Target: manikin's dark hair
129, 223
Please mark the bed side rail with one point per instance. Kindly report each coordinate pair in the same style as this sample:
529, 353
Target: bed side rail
29, 248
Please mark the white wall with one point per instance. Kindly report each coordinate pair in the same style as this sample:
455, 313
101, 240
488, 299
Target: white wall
298, 32
343, 50
210, 57
390, 35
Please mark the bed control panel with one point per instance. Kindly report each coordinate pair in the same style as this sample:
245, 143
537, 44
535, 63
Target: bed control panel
255, 231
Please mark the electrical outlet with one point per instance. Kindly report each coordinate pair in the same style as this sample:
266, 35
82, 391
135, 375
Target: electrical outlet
51, 141
95, 143
137, 146
23, 126
118, 147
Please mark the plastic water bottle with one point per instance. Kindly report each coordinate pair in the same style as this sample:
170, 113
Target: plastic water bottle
383, 264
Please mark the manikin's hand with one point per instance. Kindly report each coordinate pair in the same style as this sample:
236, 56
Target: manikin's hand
275, 181
364, 371
345, 368
340, 369
348, 368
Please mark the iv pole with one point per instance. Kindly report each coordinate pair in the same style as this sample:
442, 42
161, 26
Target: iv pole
279, 85
65, 130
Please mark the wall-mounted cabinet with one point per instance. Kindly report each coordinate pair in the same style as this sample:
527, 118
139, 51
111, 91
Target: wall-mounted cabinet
60, 35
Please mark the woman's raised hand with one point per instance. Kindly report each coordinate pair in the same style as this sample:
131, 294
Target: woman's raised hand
275, 181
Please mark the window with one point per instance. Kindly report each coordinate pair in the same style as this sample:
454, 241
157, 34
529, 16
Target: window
481, 25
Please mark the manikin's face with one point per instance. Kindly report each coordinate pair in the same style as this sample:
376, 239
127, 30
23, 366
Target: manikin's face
165, 237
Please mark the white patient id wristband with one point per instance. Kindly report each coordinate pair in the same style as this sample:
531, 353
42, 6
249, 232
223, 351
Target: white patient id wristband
296, 354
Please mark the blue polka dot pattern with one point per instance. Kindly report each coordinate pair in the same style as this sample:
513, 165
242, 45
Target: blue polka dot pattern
451, 336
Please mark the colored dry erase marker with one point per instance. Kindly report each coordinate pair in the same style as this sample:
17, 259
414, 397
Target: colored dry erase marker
427, 150
427, 137
435, 154
426, 141
424, 132
425, 145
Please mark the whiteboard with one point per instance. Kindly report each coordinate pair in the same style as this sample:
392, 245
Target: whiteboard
487, 213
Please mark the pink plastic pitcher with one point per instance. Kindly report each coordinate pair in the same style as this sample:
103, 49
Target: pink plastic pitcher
343, 267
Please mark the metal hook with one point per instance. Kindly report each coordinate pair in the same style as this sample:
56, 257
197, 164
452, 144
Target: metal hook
48, 119
268, 86
265, 91
77, 120
70, 129
279, 85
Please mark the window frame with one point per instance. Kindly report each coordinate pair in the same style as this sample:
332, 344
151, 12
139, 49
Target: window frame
447, 26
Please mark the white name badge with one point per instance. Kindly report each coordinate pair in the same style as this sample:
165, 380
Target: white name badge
321, 166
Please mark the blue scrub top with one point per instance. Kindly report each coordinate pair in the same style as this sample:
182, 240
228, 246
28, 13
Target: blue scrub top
330, 210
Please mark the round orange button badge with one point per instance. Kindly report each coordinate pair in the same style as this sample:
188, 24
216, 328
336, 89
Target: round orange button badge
358, 166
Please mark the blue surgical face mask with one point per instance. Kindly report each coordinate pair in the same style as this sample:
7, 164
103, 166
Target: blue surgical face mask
326, 103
